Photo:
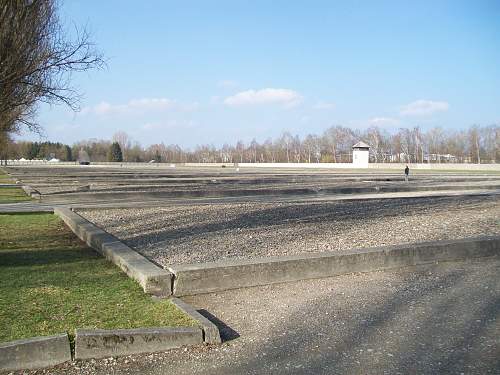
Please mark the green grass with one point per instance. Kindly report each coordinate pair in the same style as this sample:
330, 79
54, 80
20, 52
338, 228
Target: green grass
50, 282
5, 178
12, 195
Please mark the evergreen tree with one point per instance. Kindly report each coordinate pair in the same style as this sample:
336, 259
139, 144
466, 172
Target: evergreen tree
115, 152
68, 155
33, 151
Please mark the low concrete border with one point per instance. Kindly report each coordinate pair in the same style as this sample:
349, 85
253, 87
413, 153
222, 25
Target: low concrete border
153, 279
211, 333
30, 192
190, 279
36, 352
98, 343
21, 208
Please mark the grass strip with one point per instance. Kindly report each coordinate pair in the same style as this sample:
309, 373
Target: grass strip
5, 178
50, 282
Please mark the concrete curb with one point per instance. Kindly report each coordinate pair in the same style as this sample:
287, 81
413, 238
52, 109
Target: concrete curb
12, 208
211, 333
33, 353
190, 279
30, 192
153, 279
100, 343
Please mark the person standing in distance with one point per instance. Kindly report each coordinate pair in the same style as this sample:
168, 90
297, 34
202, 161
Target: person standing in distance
407, 172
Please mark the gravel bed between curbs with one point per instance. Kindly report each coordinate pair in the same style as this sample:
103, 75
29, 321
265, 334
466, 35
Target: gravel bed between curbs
206, 233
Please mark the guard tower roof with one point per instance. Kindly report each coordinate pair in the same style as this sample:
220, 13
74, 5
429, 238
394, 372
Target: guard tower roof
361, 145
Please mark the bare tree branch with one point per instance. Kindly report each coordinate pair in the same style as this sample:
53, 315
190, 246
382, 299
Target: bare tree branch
37, 60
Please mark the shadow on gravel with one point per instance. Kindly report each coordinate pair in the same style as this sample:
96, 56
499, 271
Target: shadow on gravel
226, 332
425, 326
314, 212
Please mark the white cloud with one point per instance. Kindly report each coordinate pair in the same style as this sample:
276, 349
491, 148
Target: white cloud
285, 97
227, 84
138, 106
383, 121
423, 108
324, 105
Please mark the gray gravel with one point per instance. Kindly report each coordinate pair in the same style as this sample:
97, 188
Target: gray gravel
64, 181
441, 319
205, 233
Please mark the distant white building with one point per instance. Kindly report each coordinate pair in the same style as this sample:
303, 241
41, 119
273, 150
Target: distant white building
360, 155
440, 158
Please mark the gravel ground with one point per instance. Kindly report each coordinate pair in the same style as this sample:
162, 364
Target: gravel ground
441, 319
66, 180
205, 233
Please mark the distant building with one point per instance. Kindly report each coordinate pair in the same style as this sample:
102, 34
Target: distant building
440, 158
360, 155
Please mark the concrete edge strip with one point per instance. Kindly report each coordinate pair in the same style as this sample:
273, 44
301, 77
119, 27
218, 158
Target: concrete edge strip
153, 279
23, 210
211, 333
34, 353
191, 279
30, 192
98, 343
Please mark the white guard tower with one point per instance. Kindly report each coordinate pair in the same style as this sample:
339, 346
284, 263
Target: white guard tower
360, 155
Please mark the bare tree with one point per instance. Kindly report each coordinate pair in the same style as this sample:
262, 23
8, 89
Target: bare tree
4, 147
309, 143
240, 148
491, 143
253, 147
285, 141
37, 60
405, 144
435, 137
497, 144
475, 143
374, 140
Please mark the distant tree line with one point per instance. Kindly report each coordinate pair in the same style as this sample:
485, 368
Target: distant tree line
477, 144
40, 150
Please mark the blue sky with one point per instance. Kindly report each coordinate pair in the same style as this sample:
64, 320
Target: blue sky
193, 72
